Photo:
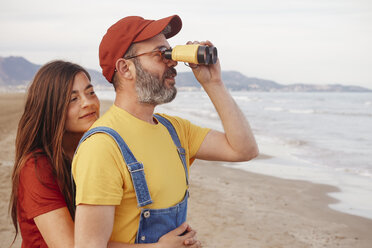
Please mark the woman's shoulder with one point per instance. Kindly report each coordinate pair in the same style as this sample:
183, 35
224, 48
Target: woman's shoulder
37, 165
38, 191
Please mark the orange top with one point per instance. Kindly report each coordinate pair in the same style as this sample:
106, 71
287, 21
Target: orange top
38, 193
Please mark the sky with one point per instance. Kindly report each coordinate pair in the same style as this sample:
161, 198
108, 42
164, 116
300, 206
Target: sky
287, 41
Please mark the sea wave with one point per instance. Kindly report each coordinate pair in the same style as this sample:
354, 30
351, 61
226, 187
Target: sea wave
319, 112
344, 113
276, 109
302, 111
246, 99
356, 171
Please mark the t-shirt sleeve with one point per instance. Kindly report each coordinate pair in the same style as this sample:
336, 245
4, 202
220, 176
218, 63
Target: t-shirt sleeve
96, 171
191, 135
38, 190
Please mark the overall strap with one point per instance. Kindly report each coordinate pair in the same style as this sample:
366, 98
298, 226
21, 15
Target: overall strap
176, 141
134, 167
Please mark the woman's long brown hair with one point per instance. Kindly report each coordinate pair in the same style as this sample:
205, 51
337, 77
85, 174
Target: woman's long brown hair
42, 126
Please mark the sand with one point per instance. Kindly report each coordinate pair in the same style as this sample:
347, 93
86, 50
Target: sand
228, 207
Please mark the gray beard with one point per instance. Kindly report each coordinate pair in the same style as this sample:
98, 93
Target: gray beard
151, 89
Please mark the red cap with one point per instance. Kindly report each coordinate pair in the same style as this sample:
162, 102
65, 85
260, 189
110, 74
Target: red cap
128, 30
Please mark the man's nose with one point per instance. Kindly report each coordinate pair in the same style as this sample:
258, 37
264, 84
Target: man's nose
170, 63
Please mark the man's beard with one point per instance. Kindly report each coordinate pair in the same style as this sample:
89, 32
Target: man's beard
151, 89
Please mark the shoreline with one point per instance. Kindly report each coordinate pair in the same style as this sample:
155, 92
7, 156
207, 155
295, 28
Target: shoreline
228, 207
273, 212
351, 197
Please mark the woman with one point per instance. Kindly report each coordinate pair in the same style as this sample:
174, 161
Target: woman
61, 105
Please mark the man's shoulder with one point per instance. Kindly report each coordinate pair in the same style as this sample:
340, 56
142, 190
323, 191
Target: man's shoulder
97, 142
175, 120
106, 119
97, 151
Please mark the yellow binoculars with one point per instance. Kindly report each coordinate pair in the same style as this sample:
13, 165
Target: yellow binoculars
194, 54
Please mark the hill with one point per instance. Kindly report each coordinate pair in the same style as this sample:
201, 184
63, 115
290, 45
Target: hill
17, 72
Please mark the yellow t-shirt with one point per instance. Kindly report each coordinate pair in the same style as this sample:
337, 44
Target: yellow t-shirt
102, 177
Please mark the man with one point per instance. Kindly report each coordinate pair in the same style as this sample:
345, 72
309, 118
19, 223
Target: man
112, 203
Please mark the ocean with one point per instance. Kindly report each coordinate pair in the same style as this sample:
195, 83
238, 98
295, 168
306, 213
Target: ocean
319, 137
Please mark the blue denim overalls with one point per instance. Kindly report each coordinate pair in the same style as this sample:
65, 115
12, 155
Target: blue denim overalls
154, 223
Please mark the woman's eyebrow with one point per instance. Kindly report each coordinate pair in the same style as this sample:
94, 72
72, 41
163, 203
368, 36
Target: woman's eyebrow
88, 87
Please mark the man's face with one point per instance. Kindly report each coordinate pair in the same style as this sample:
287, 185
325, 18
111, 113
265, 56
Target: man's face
154, 74
151, 89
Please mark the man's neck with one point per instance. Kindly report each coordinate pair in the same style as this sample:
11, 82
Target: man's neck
139, 110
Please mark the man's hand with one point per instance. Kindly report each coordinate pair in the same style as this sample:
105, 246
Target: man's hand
206, 74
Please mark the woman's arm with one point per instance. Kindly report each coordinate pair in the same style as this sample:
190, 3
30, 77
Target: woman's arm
170, 240
56, 227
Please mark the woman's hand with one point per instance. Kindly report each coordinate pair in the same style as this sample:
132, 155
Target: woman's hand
176, 238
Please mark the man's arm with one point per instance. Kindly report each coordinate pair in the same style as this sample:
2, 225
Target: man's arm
93, 225
238, 142
56, 227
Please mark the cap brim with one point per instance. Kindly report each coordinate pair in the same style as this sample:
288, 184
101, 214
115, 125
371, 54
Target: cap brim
156, 27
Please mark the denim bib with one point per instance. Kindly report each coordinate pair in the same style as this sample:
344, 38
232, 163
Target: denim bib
154, 223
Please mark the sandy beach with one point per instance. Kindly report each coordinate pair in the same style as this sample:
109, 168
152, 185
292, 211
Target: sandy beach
228, 207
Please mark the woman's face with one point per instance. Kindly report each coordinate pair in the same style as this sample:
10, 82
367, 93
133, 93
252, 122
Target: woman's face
83, 108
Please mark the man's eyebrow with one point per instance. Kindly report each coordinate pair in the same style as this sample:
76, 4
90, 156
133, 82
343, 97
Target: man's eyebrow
161, 46
88, 87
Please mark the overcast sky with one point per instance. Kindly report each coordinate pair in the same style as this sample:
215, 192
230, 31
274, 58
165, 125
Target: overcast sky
288, 41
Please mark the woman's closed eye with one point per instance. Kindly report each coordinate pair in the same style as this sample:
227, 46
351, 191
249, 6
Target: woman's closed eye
73, 99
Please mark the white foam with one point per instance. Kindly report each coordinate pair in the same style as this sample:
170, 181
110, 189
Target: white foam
276, 109
302, 111
242, 98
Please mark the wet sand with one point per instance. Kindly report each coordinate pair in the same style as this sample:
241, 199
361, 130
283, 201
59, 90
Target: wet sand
228, 207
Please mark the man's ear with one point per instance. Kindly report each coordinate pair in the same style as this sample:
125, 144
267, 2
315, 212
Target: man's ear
123, 68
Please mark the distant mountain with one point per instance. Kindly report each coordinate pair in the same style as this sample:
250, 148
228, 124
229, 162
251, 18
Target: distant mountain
323, 88
233, 80
17, 72
238, 82
98, 79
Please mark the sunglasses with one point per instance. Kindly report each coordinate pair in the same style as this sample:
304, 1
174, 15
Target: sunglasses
163, 52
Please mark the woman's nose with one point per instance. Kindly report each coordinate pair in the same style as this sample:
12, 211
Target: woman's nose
85, 101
